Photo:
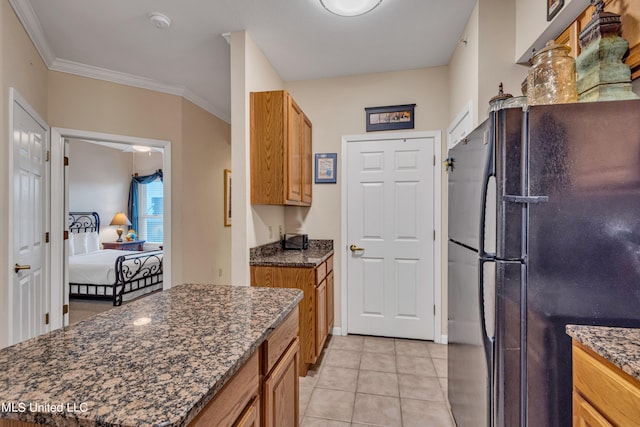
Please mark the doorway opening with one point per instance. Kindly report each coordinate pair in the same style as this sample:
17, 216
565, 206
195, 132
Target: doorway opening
62, 204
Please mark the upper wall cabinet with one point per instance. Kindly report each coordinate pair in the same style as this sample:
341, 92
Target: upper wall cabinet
281, 147
630, 13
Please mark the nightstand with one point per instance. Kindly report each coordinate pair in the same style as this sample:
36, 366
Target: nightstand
135, 245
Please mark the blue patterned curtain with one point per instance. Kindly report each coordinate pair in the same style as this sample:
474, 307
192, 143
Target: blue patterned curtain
133, 194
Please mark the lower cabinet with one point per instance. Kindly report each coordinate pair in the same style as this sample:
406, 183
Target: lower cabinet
265, 390
316, 307
603, 394
281, 391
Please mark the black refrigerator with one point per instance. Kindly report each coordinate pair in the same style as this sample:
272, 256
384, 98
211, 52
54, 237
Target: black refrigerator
544, 231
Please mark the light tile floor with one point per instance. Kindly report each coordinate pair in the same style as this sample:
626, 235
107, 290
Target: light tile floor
368, 381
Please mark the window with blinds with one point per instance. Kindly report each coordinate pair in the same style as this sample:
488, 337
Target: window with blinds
150, 212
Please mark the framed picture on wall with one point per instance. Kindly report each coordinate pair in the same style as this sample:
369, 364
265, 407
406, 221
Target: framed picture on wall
227, 198
326, 166
553, 7
390, 118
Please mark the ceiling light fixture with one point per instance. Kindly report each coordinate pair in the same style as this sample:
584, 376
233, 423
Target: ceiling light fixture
160, 20
350, 7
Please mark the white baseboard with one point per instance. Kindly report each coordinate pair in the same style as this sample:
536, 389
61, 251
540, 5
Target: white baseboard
336, 330
443, 339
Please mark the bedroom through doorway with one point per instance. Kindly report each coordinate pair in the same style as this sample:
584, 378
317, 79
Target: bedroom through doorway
115, 203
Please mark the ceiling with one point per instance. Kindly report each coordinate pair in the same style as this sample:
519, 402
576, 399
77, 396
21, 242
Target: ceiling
114, 40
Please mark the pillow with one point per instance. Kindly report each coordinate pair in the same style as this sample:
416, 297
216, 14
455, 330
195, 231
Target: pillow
71, 244
93, 242
80, 244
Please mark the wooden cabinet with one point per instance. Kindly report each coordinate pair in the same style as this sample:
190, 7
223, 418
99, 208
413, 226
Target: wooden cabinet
603, 395
629, 10
135, 245
281, 390
281, 149
316, 307
230, 403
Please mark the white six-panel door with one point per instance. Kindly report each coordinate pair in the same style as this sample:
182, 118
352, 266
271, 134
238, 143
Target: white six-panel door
30, 288
390, 221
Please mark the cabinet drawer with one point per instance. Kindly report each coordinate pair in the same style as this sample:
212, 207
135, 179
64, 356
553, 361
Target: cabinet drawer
321, 272
275, 345
585, 415
330, 264
598, 381
230, 402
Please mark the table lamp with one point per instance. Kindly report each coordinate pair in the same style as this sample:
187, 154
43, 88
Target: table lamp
120, 219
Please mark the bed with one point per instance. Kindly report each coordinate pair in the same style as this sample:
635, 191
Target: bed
108, 274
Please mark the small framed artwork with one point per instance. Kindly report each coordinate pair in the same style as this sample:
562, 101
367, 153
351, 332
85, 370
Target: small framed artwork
326, 168
553, 7
390, 118
227, 198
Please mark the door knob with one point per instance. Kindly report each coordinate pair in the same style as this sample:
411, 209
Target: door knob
19, 267
355, 248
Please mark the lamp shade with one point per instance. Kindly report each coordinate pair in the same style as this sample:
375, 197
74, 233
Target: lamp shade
120, 219
350, 7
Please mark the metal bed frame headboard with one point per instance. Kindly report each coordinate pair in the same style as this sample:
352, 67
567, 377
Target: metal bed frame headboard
84, 222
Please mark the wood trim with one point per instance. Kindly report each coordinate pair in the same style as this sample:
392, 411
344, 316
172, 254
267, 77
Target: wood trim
16, 423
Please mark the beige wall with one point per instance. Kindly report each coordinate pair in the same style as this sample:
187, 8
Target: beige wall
463, 70
206, 153
336, 108
21, 68
99, 179
534, 30
199, 142
250, 72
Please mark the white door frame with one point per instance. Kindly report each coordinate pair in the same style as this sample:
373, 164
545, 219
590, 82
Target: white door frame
58, 219
15, 97
439, 337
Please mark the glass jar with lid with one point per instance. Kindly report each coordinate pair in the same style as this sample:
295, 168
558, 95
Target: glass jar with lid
552, 76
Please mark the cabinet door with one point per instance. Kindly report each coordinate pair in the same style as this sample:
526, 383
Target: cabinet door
307, 164
330, 307
294, 152
281, 391
321, 316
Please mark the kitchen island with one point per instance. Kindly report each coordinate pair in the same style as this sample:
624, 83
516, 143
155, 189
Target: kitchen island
160, 360
606, 375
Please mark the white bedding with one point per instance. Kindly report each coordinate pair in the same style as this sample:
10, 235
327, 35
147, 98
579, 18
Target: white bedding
98, 268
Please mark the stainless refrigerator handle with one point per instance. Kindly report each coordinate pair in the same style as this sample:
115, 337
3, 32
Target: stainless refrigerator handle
487, 341
489, 171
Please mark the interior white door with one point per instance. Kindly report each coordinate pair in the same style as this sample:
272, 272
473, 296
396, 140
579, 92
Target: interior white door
390, 229
30, 290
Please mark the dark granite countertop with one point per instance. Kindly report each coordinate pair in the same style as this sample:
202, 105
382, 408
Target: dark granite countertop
273, 255
620, 346
156, 361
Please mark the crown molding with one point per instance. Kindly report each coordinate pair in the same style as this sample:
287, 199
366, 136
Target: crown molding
32, 26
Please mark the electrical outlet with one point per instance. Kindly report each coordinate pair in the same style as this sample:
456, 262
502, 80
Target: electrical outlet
280, 231
219, 272
270, 232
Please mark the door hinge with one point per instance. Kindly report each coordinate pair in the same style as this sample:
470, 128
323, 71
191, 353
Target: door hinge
66, 235
66, 161
46, 319
65, 309
46, 159
46, 237
434, 309
434, 160
434, 234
